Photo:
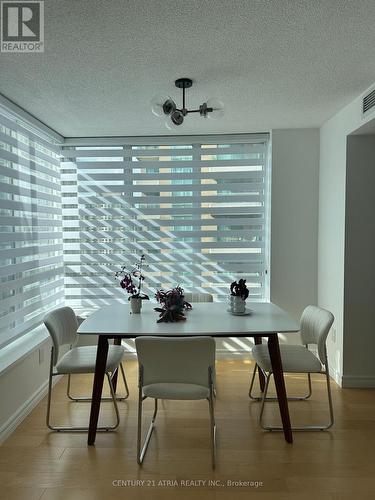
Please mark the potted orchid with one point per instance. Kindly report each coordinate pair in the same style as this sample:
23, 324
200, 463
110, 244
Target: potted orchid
132, 281
172, 304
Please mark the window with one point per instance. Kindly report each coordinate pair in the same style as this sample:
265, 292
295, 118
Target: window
196, 209
31, 260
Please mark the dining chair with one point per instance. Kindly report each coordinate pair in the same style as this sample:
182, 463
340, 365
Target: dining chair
62, 325
315, 325
194, 297
175, 368
198, 297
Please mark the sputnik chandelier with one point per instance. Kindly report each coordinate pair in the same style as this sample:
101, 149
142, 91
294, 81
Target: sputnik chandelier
164, 106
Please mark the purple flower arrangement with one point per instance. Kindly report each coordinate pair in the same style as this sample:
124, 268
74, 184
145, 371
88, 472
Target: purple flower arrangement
132, 280
172, 304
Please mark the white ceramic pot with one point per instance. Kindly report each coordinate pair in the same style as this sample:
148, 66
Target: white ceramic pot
136, 305
237, 304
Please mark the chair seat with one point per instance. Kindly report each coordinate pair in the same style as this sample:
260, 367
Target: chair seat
295, 359
167, 390
83, 359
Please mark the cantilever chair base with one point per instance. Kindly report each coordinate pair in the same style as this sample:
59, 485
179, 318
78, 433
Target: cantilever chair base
264, 399
80, 428
141, 449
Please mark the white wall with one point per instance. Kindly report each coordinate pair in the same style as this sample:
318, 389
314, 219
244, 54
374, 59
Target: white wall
22, 385
331, 239
294, 218
359, 280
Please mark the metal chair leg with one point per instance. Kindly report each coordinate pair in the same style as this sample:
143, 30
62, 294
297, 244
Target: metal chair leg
298, 428
125, 381
252, 385
331, 416
212, 427
141, 450
78, 429
291, 398
49, 396
264, 398
86, 399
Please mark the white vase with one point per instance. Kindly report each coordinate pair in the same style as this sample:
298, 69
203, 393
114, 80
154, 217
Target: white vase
136, 305
237, 304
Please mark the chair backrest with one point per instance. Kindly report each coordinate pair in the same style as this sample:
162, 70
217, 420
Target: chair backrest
198, 297
62, 325
176, 360
315, 325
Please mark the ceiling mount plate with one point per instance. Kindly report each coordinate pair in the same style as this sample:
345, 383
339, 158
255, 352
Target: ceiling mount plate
183, 83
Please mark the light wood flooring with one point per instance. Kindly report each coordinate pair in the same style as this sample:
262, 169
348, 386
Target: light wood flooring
335, 465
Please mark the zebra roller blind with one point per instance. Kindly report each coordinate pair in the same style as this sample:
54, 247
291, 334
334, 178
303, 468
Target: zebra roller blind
31, 258
196, 208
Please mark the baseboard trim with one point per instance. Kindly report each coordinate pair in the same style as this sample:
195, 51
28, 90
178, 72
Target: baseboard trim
358, 382
23, 411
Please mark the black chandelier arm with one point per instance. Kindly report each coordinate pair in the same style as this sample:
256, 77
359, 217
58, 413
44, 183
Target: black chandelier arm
201, 111
208, 110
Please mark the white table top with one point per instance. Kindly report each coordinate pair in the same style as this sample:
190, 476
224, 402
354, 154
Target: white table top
206, 318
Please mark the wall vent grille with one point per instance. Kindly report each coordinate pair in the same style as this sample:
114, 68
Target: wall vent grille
368, 102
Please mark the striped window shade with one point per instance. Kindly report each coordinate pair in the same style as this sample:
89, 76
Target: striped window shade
196, 207
31, 258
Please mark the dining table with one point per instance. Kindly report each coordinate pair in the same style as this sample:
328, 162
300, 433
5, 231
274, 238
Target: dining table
262, 320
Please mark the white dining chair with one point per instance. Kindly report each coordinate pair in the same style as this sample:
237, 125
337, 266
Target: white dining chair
192, 297
175, 368
315, 325
195, 297
62, 325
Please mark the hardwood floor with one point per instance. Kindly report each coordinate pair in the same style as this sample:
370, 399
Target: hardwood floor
335, 465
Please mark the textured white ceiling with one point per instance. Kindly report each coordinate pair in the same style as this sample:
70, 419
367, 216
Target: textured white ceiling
274, 63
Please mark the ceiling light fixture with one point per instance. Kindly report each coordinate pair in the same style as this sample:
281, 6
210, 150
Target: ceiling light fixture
164, 106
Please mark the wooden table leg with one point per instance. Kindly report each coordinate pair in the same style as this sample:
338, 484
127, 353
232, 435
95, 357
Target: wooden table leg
116, 341
277, 368
262, 380
101, 362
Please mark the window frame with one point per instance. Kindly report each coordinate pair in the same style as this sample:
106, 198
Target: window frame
81, 144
